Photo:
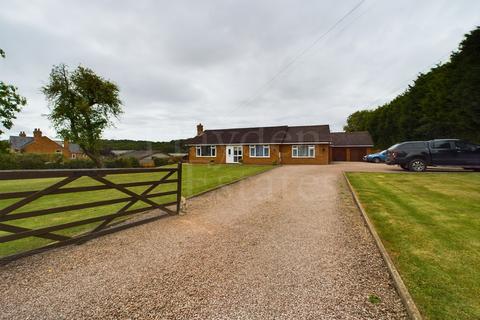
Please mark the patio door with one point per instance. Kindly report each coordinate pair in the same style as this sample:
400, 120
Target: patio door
234, 154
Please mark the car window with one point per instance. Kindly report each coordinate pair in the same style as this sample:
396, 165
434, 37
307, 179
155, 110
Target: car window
466, 146
441, 144
411, 145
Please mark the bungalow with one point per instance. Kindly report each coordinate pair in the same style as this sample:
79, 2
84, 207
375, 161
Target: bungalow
267, 145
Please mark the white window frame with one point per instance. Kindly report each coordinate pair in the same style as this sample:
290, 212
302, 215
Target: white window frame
310, 148
213, 151
253, 147
74, 156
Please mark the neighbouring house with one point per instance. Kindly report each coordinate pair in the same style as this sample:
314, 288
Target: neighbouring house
269, 145
351, 146
41, 144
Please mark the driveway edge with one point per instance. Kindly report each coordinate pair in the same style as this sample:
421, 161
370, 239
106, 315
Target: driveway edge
402, 290
230, 182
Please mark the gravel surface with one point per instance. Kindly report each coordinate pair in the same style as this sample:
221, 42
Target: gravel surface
286, 244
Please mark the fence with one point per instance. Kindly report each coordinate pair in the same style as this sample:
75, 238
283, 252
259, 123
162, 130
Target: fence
17, 224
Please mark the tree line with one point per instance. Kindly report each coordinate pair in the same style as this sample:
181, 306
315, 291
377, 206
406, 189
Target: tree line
442, 103
173, 146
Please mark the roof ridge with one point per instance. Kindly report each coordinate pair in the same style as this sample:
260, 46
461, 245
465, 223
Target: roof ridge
283, 126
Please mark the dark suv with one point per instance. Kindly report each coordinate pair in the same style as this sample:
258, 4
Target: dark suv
417, 155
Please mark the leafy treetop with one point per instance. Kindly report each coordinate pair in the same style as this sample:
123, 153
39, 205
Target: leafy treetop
83, 105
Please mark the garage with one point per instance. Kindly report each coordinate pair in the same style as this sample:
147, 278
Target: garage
351, 146
357, 154
339, 154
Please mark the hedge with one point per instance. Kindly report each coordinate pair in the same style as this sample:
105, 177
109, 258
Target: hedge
42, 161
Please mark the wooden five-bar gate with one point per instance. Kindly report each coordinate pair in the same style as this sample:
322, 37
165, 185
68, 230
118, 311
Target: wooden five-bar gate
10, 215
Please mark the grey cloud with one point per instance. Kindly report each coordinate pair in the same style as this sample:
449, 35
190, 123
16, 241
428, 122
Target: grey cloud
182, 62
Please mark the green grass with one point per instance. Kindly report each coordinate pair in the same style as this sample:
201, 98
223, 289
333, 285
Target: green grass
430, 225
195, 179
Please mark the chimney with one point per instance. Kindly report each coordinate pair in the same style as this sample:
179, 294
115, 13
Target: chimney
37, 134
199, 129
22, 134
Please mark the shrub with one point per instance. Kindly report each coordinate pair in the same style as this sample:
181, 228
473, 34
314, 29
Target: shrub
24, 161
161, 161
79, 164
7, 162
31, 161
122, 163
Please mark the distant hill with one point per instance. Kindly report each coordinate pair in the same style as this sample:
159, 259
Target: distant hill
167, 147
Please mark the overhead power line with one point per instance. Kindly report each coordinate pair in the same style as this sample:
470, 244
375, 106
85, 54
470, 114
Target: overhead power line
267, 84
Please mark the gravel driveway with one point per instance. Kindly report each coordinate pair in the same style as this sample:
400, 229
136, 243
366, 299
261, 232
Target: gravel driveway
286, 244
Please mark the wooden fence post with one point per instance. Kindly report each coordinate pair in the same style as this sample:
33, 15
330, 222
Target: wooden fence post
179, 185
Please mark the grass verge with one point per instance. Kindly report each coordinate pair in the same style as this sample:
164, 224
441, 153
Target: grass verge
430, 225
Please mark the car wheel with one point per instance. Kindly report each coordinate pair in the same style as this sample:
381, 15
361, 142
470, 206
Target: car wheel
417, 165
376, 160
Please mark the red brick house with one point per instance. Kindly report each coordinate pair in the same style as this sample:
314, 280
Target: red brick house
271, 145
41, 144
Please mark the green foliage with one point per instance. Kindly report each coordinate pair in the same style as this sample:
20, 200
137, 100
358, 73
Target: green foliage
122, 163
83, 105
10, 102
4, 147
25, 161
161, 162
373, 298
442, 103
167, 147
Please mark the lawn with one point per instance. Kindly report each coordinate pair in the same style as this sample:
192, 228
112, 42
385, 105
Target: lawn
195, 179
430, 225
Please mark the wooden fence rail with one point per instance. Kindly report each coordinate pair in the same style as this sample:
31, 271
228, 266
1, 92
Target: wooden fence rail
15, 231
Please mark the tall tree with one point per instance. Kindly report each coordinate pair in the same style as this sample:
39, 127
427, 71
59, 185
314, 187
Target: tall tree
10, 102
82, 106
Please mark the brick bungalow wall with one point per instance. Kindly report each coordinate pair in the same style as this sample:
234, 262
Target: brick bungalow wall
321, 155
279, 154
220, 156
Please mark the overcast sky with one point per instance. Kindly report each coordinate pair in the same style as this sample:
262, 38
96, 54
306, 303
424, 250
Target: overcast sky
229, 63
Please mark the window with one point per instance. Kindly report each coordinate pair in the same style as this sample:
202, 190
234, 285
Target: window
441, 144
465, 146
206, 151
303, 151
58, 151
260, 151
74, 156
409, 145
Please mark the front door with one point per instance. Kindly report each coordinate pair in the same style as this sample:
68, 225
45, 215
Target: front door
234, 154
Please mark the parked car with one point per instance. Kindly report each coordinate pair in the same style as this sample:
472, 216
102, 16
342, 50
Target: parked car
417, 155
376, 157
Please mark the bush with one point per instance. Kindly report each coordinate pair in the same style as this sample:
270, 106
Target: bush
122, 163
7, 162
79, 164
23, 161
161, 161
31, 161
